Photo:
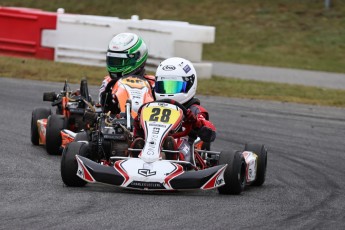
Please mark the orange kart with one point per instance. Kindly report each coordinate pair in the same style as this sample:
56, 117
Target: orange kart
46, 126
131, 92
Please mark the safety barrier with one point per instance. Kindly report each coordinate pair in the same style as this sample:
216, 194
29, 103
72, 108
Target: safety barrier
83, 39
20, 32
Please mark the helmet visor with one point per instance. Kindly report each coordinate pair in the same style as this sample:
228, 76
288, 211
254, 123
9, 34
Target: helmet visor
121, 59
167, 85
171, 87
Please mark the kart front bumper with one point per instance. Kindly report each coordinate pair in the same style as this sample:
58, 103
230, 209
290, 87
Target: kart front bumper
134, 173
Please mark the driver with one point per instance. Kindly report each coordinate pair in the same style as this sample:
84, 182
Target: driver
127, 54
176, 79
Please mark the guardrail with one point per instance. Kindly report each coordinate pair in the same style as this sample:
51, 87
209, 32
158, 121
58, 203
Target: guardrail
20, 33
83, 39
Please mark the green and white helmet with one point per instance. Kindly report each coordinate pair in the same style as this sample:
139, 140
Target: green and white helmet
127, 54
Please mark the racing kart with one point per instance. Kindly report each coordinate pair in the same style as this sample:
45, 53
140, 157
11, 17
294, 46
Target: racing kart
70, 107
155, 168
131, 92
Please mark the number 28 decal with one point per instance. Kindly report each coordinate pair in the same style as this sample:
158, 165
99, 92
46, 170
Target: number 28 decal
164, 115
159, 114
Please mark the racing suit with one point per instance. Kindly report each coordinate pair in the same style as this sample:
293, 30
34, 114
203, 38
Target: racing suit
110, 103
197, 116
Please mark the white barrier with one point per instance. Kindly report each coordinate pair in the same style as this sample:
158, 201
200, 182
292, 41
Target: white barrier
83, 39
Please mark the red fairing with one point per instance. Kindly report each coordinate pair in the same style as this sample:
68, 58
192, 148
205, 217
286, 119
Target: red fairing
178, 171
86, 173
212, 183
122, 171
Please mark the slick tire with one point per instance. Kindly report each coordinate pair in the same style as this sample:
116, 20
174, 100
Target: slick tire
235, 173
69, 164
261, 152
82, 136
37, 114
55, 124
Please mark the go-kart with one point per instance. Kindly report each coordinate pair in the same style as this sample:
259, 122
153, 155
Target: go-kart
155, 168
46, 126
131, 92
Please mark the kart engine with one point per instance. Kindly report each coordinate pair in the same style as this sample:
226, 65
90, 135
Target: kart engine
115, 141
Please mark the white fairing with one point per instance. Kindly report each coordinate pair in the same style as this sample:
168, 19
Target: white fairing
156, 128
155, 134
251, 160
141, 171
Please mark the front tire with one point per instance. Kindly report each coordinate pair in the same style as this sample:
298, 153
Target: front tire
37, 114
261, 152
55, 124
235, 173
69, 164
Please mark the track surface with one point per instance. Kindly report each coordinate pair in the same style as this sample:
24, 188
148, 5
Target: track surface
304, 187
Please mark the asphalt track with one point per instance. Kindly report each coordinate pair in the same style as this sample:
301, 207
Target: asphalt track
304, 187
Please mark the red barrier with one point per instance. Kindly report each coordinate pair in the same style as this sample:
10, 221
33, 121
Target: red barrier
21, 32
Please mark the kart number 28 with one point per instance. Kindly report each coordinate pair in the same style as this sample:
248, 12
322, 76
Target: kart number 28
163, 114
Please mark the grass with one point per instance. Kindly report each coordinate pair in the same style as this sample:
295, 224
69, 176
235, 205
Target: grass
54, 71
286, 33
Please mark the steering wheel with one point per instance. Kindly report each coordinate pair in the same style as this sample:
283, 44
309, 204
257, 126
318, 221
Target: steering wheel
173, 102
188, 127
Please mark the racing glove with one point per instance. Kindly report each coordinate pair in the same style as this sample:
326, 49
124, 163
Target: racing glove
206, 134
191, 118
205, 129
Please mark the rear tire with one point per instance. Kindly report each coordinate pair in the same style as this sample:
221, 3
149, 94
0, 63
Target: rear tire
69, 164
261, 152
235, 173
55, 124
82, 136
37, 114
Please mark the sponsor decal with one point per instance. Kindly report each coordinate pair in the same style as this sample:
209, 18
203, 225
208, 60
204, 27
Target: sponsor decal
185, 148
158, 125
170, 78
216, 180
152, 144
83, 172
162, 104
146, 172
80, 173
168, 68
155, 130
219, 181
146, 185
250, 172
186, 68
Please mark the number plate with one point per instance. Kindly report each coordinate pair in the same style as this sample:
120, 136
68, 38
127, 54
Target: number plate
161, 114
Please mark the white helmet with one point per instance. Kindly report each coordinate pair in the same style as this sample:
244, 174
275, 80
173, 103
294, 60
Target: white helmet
127, 54
176, 79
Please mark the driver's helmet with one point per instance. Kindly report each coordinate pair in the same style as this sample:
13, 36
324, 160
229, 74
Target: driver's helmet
176, 79
127, 54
